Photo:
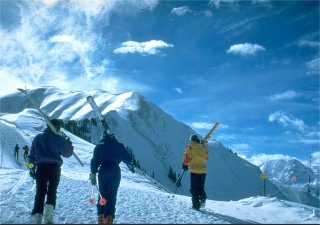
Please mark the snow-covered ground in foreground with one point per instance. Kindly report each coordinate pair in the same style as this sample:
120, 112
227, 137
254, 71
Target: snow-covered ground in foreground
140, 200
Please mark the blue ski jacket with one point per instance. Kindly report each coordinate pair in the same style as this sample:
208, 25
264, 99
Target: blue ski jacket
48, 147
108, 154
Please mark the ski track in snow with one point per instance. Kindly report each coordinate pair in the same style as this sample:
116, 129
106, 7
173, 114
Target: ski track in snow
133, 205
21, 181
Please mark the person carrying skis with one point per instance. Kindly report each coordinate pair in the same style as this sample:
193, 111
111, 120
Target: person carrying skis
16, 152
194, 158
45, 156
26, 152
107, 155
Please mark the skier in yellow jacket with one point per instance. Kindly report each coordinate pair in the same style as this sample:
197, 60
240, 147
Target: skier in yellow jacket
195, 157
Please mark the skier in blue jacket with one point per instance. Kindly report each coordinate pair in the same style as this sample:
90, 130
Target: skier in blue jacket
45, 166
107, 156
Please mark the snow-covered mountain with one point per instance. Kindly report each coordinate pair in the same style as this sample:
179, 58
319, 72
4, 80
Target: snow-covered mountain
289, 171
295, 179
156, 138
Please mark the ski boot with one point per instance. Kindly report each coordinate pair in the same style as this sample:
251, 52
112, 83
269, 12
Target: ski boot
108, 219
202, 203
37, 218
48, 214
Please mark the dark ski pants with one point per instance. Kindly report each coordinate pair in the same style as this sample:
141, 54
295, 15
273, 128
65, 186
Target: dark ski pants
48, 178
197, 188
16, 155
109, 182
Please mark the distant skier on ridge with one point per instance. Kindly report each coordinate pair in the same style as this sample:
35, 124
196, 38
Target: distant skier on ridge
26, 152
107, 156
195, 157
16, 152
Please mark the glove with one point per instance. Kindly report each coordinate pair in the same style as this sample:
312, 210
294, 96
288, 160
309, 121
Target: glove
32, 172
69, 143
184, 167
93, 179
131, 168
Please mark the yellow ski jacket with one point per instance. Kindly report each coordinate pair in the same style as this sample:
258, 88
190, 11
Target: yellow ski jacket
195, 156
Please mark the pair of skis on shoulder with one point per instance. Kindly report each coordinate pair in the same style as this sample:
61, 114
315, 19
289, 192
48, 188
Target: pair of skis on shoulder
47, 120
203, 141
213, 129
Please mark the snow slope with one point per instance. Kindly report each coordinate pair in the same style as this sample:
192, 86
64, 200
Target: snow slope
140, 198
156, 138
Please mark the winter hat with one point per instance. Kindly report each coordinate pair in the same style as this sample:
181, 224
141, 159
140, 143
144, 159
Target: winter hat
55, 123
194, 138
107, 133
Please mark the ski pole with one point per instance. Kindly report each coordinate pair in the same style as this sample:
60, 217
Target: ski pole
91, 199
178, 180
102, 201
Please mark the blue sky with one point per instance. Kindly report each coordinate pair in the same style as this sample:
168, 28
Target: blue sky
253, 65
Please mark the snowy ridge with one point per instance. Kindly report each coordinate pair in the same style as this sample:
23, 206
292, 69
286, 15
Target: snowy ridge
230, 178
157, 139
289, 171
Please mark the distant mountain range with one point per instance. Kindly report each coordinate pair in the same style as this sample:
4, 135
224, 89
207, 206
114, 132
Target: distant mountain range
157, 141
289, 171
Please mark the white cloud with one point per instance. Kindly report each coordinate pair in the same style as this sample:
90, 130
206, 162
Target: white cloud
178, 90
307, 135
208, 126
49, 2
146, 48
245, 49
202, 125
112, 84
310, 44
287, 121
31, 58
242, 149
11, 81
181, 10
283, 96
218, 3
315, 158
259, 159
72, 41
215, 3
313, 66
116, 84
207, 13
310, 142
264, 3
102, 8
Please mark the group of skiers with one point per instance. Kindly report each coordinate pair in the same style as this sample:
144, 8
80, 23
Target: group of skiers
25, 154
45, 167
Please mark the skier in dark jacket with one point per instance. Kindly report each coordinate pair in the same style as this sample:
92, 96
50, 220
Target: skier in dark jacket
16, 152
45, 160
26, 152
107, 156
